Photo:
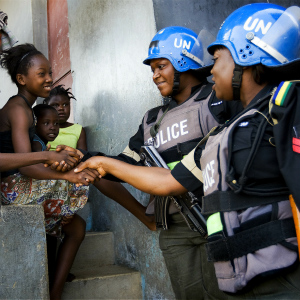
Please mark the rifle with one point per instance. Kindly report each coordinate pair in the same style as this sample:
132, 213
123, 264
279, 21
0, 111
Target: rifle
187, 204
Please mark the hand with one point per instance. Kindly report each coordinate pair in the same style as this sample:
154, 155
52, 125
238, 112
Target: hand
94, 173
70, 149
67, 164
83, 178
72, 152
62, 161
92, 163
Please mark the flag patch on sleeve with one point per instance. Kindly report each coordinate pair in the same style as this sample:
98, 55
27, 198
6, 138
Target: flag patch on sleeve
281, 92
296, 145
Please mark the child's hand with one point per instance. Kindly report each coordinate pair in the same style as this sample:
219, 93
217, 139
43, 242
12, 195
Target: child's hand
64, 166
70, 149
62, 161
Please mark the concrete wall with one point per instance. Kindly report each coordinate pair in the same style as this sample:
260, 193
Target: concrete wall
20, 23
108, 42
27, 20
198, 14
22, 229
39, 25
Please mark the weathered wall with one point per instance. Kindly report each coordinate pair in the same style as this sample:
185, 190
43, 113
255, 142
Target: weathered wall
20, 23
198, 14
108, 41
39, 25
27, 20
22, 229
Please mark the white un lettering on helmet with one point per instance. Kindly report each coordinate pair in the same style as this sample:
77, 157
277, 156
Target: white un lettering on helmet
257, 25
208, 175
182, 43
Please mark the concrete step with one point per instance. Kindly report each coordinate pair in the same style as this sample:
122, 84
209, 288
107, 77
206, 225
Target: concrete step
106, 282
96, 250
23, 259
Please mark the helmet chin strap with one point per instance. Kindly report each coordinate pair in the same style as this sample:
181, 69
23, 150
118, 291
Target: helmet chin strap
176, 82
237, 81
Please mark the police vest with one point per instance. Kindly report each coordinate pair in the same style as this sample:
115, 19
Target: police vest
180, 131
248, 235
181, 128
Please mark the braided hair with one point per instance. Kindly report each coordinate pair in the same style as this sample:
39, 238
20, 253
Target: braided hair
18, 60
60, 90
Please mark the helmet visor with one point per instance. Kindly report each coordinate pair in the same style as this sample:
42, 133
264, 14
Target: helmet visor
205, 38
282, 41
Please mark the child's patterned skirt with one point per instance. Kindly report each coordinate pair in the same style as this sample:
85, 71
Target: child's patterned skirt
58, 197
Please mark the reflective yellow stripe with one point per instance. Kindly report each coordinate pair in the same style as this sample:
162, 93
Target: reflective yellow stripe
214, 223
172, 165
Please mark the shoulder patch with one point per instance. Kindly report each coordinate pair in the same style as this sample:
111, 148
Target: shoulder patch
243, 124
152, 114
205, 92
217, 103
281, 92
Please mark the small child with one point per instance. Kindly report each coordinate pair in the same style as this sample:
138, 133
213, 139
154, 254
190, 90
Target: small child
70, 134
46, 128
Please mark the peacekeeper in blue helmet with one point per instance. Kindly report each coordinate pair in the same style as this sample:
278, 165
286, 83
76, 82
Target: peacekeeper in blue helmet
180, 64
252, 250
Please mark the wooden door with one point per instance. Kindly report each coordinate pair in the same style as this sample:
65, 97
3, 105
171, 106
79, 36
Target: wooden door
58, 44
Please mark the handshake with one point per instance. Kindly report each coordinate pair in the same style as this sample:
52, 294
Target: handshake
65, 159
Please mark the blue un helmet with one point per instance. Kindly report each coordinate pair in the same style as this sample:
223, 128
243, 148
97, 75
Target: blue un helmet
182, 47
261, 33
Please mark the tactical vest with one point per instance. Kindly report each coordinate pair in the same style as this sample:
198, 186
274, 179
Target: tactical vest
180, 130
249, 235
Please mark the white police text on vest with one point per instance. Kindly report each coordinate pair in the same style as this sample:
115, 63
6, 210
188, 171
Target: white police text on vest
208, 175
170, 133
